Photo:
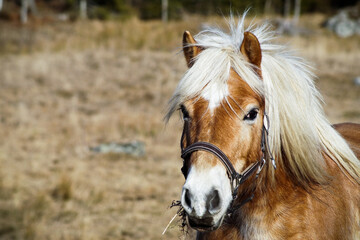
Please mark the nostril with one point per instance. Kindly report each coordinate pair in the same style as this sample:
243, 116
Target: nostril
187, 198
214, 201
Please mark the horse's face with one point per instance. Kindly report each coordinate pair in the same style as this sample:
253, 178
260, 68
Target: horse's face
234, 125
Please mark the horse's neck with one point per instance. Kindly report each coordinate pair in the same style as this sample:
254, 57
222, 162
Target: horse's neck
254, 219
280, 210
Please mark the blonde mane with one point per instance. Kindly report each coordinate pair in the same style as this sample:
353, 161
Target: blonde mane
299, 132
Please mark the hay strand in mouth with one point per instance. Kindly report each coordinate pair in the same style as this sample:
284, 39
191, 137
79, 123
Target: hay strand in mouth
167, 226
181, 213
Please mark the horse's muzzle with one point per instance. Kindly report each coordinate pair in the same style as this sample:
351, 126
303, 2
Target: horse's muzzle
203, 224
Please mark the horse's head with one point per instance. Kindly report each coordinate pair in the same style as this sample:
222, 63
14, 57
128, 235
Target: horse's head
225, 138
228, 114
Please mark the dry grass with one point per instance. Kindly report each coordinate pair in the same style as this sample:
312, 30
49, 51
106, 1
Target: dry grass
82, 35
89, 83
53, 108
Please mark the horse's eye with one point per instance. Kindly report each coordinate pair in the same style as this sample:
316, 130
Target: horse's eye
251, 115
185, 113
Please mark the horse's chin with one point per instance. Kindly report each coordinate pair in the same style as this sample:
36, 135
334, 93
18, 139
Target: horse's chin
204, 225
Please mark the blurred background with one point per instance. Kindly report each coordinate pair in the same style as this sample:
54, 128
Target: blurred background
84, 84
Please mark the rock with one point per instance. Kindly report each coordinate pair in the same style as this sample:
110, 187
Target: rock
345, 28
357, 81
134, 148
346, 22
63, 17
357, 27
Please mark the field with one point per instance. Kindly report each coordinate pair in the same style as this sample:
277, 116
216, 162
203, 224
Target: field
68, 87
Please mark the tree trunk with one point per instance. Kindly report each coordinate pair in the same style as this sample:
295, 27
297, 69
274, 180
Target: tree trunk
83, 9
164, 12
267, 8
24, 11
287, 6
25, 5
297, 12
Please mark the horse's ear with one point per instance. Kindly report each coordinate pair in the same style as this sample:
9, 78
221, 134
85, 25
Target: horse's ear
251, 49
190, 51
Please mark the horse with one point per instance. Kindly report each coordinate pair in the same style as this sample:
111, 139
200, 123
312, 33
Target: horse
260, 158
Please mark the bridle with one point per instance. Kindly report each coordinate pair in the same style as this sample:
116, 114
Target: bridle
236, 179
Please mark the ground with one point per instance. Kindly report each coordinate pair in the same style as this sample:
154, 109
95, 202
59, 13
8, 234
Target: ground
66, 88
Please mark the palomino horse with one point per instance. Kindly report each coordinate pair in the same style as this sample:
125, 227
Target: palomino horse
261, 161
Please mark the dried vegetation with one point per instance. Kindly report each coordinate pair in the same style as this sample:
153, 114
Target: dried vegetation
67, 87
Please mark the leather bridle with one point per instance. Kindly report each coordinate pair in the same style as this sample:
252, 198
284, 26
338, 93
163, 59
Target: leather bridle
236, 179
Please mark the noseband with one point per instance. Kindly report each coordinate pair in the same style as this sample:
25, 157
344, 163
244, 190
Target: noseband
236, 179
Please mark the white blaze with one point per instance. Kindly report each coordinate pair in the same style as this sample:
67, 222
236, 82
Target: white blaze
215, 93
